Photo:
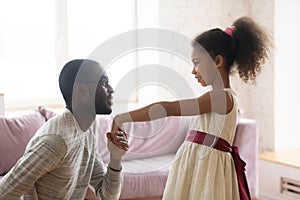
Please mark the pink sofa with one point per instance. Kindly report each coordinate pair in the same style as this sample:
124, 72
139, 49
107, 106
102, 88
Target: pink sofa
152, 149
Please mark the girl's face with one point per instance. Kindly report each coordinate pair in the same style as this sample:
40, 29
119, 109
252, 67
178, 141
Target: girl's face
204, 68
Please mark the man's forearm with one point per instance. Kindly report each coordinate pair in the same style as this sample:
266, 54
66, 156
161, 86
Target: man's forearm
108, 187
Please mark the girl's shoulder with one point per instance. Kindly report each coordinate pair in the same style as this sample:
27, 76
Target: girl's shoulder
222, 100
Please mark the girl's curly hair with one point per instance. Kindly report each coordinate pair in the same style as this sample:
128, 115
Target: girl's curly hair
247, 48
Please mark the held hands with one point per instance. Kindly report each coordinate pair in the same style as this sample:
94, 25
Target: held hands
117, 143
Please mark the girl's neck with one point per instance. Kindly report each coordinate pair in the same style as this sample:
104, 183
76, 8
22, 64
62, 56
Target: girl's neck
222, 81
221, 84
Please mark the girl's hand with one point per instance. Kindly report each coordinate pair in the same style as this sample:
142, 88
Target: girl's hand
116, 125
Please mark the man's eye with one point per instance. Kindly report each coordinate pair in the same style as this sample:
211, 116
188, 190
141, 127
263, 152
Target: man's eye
104, 83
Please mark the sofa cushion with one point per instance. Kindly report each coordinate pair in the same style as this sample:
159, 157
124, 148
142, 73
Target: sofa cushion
15, 132
146, 177
46, 112
152, 147
146, 139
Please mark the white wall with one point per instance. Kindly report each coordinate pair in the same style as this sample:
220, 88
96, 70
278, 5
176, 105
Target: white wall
287, 72
190, 17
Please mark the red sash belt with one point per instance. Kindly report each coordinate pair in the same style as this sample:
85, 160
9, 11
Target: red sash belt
222, 145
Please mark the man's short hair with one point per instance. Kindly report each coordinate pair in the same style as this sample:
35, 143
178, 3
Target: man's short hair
68, 76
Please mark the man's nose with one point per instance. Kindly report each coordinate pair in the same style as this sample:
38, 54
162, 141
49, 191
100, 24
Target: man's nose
193, 70
110, 89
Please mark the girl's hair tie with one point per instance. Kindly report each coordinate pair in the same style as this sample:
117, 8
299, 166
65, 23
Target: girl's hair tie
229, 30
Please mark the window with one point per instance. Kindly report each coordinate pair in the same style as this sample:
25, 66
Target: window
27, 56
38, 37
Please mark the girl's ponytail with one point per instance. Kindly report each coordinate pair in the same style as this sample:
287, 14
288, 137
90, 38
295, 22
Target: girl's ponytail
250, 46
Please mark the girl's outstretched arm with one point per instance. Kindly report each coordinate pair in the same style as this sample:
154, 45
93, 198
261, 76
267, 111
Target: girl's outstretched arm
214, 101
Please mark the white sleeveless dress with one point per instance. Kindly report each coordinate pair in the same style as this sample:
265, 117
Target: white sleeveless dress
203, 173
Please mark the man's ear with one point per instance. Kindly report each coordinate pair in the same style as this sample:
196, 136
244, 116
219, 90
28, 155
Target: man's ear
80, 90
219, 60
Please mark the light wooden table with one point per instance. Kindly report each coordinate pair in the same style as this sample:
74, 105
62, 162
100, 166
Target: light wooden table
288, 158
279, 175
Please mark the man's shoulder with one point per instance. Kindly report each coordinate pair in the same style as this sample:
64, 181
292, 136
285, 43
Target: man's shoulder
58, 124
46, 142
55, 129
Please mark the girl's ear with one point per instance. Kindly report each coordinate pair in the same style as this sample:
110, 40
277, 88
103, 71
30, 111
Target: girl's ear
219, 60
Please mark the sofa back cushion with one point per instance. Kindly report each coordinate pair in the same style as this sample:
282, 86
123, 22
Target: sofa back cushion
46, 112
15, 132
146, 139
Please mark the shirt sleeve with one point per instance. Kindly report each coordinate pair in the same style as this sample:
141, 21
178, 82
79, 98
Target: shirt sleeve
42, 155
107, 183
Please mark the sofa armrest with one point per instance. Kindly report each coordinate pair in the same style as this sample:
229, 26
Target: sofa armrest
246, 138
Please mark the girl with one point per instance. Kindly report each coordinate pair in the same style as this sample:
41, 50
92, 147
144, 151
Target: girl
207, 166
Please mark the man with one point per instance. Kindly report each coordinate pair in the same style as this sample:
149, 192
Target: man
61, 159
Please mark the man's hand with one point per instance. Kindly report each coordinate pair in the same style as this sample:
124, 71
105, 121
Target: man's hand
117, 144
